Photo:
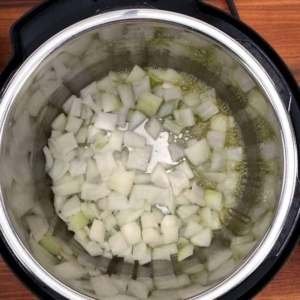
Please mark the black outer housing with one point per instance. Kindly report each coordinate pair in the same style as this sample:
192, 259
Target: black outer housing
52, 16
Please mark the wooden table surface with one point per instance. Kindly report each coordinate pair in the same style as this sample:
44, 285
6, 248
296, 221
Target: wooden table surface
278, 21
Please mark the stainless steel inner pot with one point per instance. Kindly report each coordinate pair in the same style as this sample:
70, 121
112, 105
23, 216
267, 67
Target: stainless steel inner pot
117, 41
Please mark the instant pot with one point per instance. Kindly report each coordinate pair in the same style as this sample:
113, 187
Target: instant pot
186, 35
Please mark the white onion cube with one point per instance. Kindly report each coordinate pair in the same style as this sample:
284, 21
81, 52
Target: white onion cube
117, 243
203, 238
149, 220
159, 177
132, 233
106, 121
66, 143
121, 182
179, 181
170, 235
117, 201
106, 163
198, 153
97, 232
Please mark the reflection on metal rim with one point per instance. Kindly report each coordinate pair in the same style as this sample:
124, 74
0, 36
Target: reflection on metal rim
253, 67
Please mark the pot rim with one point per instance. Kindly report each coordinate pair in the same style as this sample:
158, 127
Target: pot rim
250, 64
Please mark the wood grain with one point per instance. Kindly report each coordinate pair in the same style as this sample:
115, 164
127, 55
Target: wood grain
278, 21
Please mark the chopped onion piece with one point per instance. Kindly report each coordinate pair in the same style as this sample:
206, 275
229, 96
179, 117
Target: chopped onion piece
229, 184
158, 214
135, 215
218, 159
152, 237
73, 124
181, 200
140, 87
126, 94
75, 110
225, 269
168, 75
121, 182
49, 158
185, 117
132, 139
168, 222
97, 232
148, 104
138, 289
38, 226
71, 207
136, 120
104, 286
106, 121
117, 243
179, 181
106, 163
139, 158
36, 103
59, 123
153, 128
198, 153
242, 79
268, 150
91, 105
214, 200
206, 110
94, 249
185, 252
176, 152
216, 139
122, 116
70, 270
173, 93
159, 177
191, 229
68, 104
149, 220
66, 189
206, 217
218, 258
77, 222
166, 109
117, 201
186, 169
235, 153
81, 135
186, 211
203, 238
136, 74
258, 102
59, 169
191, 99
78, 167
110, 102
110, 222
219, 123
89, 90
242, 250
66, 143
132, 233
142, 179
173, 126
93, 192
170, 235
